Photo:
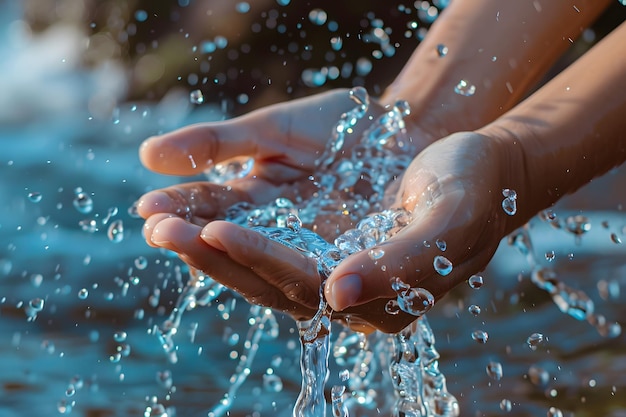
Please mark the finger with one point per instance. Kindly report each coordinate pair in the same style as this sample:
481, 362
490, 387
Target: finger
193, 149
149, 225
184, 238
196, 199
292, 273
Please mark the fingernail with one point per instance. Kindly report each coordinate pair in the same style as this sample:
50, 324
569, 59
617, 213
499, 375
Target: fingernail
213, 241
156, 201
174, 233
344, 291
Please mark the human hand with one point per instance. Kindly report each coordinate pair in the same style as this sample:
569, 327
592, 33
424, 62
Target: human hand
285, 141
285, 146
454, 191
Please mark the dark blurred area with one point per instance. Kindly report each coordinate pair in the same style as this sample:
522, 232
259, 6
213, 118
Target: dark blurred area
245, 54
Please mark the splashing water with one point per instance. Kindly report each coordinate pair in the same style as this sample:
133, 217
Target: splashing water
509, 204
420, 386
351, 187
571, 301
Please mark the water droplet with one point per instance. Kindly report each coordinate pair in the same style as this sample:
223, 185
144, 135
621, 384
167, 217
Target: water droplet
538, 376
363, 66
441, 244
534, 340
376, 253
416, 301
475, 281
33, 308
272, 383
509, 204
615, 238
494, 370
63, 407
336, 42
115, 233
242, 7
36, 280
70, 391
442, 50
110, 213
474, 309
464, 88
83, 293
480, 336
554, 412
141, 15
293, 222
88, 225
192, 161
550, 256
442, 265
344, 375
243, 98
141, 263
196, 97
399, 286
83, 203
318, 17
392, 307
505, 405
35, 196
547, 215
119, 336
578, 225
36, 304
76, 382
132, 210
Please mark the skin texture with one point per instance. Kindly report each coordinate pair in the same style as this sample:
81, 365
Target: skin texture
549, 145
502, 47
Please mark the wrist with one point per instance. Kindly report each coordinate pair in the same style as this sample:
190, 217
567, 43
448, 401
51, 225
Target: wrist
514, 175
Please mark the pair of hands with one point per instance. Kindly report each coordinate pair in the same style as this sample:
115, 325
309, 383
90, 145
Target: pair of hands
453, 189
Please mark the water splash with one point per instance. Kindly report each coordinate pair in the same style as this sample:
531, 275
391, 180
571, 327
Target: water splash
350, 186
571, 301
419, 385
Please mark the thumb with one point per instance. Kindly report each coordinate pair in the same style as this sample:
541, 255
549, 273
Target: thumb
367, 275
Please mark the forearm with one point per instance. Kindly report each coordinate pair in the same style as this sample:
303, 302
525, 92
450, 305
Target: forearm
570, 131
502, 47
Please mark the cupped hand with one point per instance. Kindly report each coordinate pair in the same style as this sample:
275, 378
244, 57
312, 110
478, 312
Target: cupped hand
440, 186
454, 192
285, 141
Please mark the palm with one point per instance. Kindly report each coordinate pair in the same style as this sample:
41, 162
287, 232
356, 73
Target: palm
450, 189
